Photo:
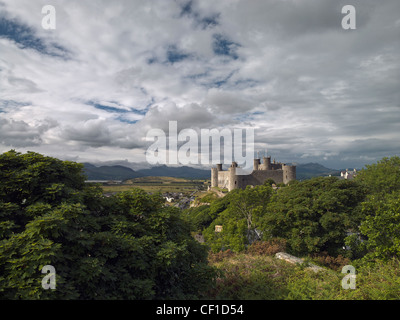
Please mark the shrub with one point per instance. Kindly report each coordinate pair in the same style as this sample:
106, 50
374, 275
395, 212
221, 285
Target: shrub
334, 263
270, 247
219, 256
245, 277
313, 215
128, 246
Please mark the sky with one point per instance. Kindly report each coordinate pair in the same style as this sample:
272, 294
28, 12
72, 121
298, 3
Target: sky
92, 88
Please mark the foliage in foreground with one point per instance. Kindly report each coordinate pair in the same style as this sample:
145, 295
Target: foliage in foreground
263, 277
322, 214
313, 216
128, 246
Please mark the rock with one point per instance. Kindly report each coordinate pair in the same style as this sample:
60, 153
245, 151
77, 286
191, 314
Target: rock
295, 260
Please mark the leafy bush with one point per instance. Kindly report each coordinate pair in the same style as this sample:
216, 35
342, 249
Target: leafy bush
379, 280
381, 178
219, 256
381, 226
129, 246
198, 217
270, 247
244, 276
240, 218
302, 284
334, 263
314, 215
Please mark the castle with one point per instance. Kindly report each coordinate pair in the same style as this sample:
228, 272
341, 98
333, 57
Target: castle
279, 172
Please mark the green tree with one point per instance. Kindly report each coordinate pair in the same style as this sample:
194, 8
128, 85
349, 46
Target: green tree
314, 215
250, 204
381, 226
201, 217
269, 182
377, 234
382, 177
198, 217
240, 219
128, 246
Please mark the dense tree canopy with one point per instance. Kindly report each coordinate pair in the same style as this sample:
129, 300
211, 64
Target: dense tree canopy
381, 178
131, 246
240, 213
314, 215
128, 246
380, 229
381, 226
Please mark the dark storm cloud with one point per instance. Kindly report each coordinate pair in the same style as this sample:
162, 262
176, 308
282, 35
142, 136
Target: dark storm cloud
20, 134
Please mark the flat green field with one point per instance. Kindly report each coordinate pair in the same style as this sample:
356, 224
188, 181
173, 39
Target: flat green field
158, 184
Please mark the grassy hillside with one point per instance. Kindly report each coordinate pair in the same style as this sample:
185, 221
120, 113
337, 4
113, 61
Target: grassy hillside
246, 276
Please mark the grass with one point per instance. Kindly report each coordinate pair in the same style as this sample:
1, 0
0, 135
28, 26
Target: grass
246, 277
158, 184
159, 180
149, 188
263, 277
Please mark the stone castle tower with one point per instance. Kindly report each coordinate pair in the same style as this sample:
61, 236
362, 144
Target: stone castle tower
279, 172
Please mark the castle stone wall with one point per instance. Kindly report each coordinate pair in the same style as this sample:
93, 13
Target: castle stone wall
214, 177
289, 173
223, 179
261, 176
278, 172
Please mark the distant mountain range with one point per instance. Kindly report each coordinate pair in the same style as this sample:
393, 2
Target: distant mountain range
118, 172
176, 172
109, 172
310, 170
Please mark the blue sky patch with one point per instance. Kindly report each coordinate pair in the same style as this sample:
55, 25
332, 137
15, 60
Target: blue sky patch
122, 119
118, 110
220, 82
187, 8
109, 109
224, 47
209, 22
25, 37
6, 105
175, 55
204, 22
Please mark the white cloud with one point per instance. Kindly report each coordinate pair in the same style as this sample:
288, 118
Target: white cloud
113, 70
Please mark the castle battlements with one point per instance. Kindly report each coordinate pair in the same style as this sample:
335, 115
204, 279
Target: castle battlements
277, 171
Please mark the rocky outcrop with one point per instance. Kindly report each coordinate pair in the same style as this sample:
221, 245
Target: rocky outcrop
295, 260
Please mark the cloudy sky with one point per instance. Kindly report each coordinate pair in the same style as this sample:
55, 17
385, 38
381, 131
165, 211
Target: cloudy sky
92, 88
